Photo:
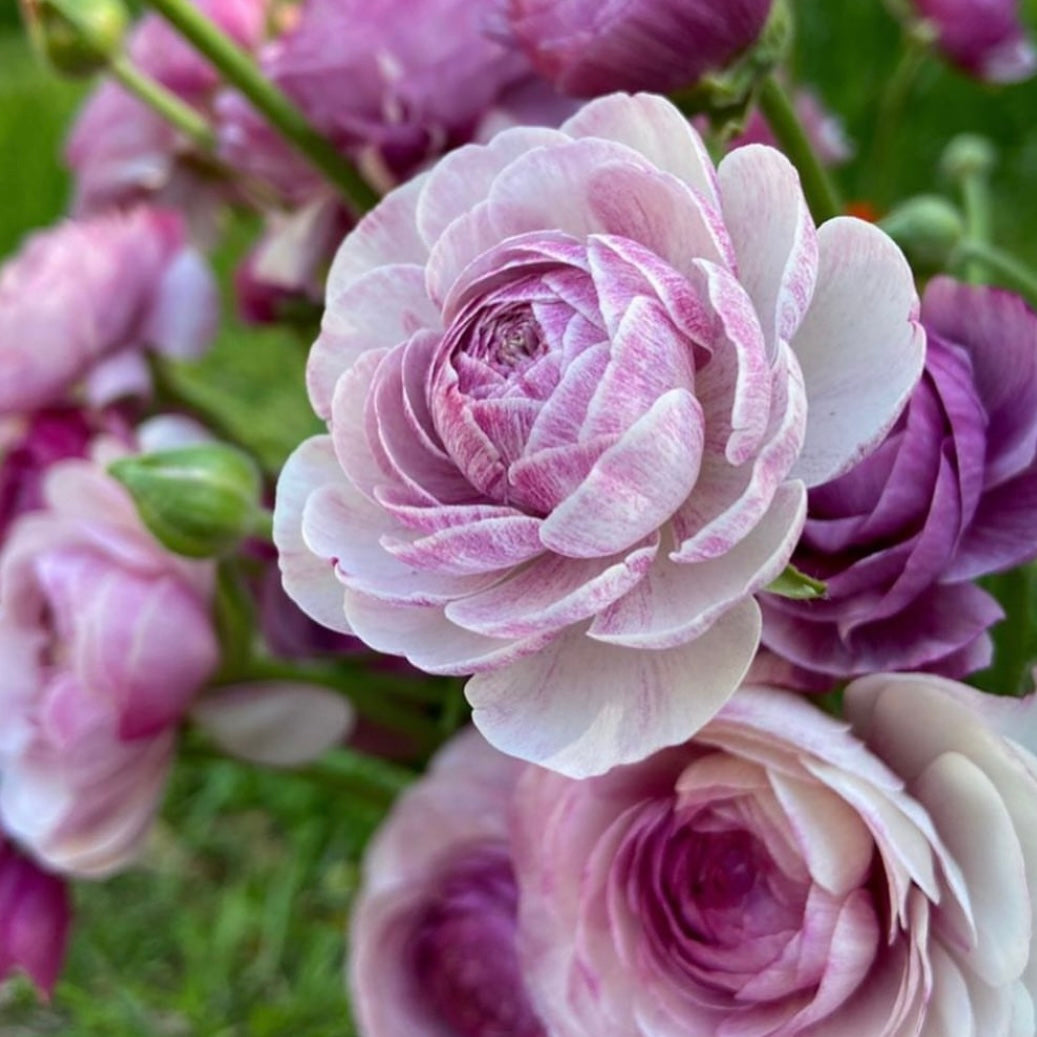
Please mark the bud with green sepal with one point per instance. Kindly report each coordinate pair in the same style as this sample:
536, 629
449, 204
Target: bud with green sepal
929, 229
199, 501
77, 37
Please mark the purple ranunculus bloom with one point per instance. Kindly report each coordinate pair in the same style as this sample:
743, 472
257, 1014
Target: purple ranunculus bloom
393, 84
34, 919
82, 300
105, 638
577, 382
786, 874
432, 937
984, 37
592, 47
951, 495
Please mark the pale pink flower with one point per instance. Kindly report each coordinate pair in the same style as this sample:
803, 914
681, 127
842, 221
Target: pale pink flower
82, 300
782, 875
105, 638
34, 919
432, 935
577, 382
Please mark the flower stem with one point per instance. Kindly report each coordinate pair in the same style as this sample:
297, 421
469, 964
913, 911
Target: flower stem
165, 102
239, 69
1013, 636
1004, 268
820, 191
891, 110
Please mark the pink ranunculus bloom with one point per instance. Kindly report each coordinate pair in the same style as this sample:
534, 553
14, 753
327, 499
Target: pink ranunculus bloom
587, 48
105, 637
34, 919
432, 935
985, 38
577, 382
80, 302
782, 875
120, 150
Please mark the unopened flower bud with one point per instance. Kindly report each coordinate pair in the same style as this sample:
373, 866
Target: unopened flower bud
198, 501
928, 228
968, 155
77, 37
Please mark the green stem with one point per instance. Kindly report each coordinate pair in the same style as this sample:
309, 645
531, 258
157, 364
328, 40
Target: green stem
820, 191
1004, 268
1013, 636
239, 69
165, 102
975, 196
891, 112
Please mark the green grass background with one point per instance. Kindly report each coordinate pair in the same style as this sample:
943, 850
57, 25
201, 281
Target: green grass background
233, 924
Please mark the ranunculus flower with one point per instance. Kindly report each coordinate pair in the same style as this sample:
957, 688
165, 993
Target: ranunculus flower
587, 48
950, 495
120, 150
34, 919
984, 37
432, 935
392, 84
105, 638
80, 301
576, 383
777, 876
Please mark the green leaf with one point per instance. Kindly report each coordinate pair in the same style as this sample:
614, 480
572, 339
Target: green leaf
795, 584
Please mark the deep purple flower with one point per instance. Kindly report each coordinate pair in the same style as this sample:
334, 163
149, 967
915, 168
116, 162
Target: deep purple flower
949, 496
587, 47
432, 947
984, 37
34, 919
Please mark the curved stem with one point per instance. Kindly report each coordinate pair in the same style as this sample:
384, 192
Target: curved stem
1005, 268
891, 110
820, 191
165, 102
239, 69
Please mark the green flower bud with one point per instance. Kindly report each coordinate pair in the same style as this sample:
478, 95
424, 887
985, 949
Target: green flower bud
968, 155
77, 37
198, 501
928, 228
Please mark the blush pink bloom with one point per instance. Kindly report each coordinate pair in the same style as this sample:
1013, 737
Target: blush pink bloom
105, 638
432, 936
120, 150
80, 301
983, 37
782, 875
577, 382
589, 47
34, 920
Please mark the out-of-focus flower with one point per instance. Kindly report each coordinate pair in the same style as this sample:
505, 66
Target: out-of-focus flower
120, 150
391, 84
823, 129
587, 48
80, 301
951, 495
777, 876
104, 639
984, 37
568, 377
34, 919
432, 936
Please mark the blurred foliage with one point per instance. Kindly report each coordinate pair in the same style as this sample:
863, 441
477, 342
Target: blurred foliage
234, 923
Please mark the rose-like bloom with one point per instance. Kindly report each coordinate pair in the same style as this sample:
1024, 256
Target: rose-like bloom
984, 37
432, 936
392, 84
587, 48
567, 377
34, 919
105, 638
121, 150
950, 495
83, 299
777, 876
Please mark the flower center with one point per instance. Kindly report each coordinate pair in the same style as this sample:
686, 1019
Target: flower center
464, 960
